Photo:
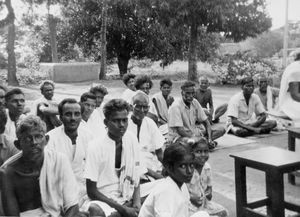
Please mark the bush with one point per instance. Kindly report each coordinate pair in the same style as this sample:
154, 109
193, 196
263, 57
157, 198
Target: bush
232, 68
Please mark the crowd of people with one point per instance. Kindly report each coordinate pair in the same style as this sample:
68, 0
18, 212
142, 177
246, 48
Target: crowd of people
133, 156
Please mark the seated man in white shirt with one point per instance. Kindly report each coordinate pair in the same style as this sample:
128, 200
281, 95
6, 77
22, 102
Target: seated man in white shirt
95, 121
151, 140
113, 167
144, 83
129, 81
71, 140
15, 103
246, 113
46, 107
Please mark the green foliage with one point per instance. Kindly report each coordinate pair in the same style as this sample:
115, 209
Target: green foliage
267, 44
232, 68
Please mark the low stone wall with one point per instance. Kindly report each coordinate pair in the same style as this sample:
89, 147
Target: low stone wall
71, 72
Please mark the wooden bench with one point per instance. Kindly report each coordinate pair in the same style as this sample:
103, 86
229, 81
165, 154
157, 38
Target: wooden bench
274, 162
293, 133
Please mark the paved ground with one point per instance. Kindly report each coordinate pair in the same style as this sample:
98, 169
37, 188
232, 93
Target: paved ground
222, 164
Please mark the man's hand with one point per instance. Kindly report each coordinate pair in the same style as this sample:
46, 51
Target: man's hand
130, 212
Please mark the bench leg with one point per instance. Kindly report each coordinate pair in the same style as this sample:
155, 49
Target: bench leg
275, 192
291, 147
240, 188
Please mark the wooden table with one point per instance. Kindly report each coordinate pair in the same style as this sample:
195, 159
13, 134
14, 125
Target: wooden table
293, 133
274, 162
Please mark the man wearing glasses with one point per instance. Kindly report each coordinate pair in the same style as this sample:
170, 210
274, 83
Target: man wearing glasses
246, 113
150, 139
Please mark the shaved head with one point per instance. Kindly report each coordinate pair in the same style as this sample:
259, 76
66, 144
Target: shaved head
140, 96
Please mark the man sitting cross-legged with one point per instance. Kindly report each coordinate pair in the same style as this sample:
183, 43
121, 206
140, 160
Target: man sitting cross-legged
113, 167
204, 97
151, 140
185, 113
246, 113
37, 181
71, 140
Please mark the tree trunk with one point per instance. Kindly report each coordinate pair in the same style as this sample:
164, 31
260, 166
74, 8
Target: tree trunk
123, 64
52, 22
10, 47
192, 56
102, 73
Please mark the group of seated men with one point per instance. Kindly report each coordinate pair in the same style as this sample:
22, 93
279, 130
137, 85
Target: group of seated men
72, 158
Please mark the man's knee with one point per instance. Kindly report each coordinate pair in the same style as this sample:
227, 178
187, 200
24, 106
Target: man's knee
96, 210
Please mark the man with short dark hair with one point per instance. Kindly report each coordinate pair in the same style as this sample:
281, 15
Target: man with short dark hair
113, 167
37, 181
163, 100
88, 101
15, 103
129, 81
71, 140
46, 107
186, 114
97, 117
241, 110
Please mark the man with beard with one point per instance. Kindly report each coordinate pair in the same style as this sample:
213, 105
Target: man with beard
46, 107
71, 140
37, 181
15, 103
186, 114
246, 113
113, 167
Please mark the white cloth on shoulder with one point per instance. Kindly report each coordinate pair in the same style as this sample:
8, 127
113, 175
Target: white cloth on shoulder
96, 123
269, 98
57, 182
162, 106
127, 95
286, 104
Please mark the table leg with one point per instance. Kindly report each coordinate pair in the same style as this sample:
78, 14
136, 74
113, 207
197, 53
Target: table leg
291, 147
275, 192
240, 187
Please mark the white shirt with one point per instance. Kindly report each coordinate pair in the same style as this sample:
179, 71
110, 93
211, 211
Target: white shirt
10, 127
127, 95
59, 141
96, 123
100, 165
238, 108
150, 140
41, 100
166, 200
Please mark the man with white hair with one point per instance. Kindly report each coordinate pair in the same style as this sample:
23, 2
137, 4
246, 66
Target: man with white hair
46, 107
150, 139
